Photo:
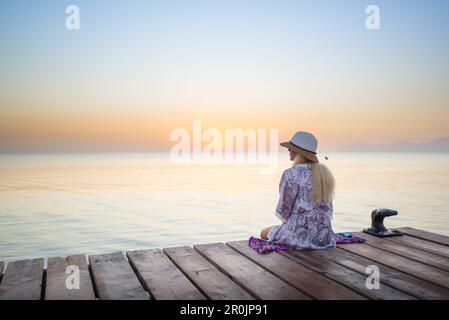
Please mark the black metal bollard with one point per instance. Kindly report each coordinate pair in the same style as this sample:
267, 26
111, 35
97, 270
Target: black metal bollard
377, 223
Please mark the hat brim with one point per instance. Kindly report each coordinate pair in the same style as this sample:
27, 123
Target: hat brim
309, 155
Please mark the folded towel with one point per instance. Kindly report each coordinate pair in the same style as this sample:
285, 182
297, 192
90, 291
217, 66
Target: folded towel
346, 237
264, 246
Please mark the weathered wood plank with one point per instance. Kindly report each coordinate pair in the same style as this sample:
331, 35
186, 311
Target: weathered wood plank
406, 251
421, 244
161, 277
414, 286
212, 282
302, 278
426, 235
115, 279
56, 288
344, 276
261, 283
22, 280
412, 267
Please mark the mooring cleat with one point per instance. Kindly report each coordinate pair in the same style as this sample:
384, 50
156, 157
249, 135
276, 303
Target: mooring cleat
377, 223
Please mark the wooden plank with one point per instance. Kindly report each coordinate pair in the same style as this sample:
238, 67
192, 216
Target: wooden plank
426, 235
255, 279
424, 245
406, 251
212, 282
306, 280
56, 288
22, 280
115, 279
412, 267
344, 276
161, 277
414, 286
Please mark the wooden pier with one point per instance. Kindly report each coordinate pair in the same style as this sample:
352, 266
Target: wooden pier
414, 266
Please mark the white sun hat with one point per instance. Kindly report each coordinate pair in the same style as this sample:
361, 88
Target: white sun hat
303, 143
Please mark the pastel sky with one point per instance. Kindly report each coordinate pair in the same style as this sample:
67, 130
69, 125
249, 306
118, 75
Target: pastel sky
136, 70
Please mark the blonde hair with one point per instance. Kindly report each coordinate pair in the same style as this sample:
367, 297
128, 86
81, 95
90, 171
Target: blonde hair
323, 180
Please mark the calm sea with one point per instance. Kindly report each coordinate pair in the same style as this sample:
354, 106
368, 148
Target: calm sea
61, 204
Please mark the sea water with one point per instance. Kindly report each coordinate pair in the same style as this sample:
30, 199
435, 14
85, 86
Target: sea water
63, 204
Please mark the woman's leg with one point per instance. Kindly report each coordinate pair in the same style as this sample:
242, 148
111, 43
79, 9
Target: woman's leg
264, 233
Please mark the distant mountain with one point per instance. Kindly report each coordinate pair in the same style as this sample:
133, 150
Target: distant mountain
440, 145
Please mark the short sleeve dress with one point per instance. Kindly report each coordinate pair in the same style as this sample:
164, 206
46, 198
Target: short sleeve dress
305, 224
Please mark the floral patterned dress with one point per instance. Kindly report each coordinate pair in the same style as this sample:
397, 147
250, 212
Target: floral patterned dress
305, 224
